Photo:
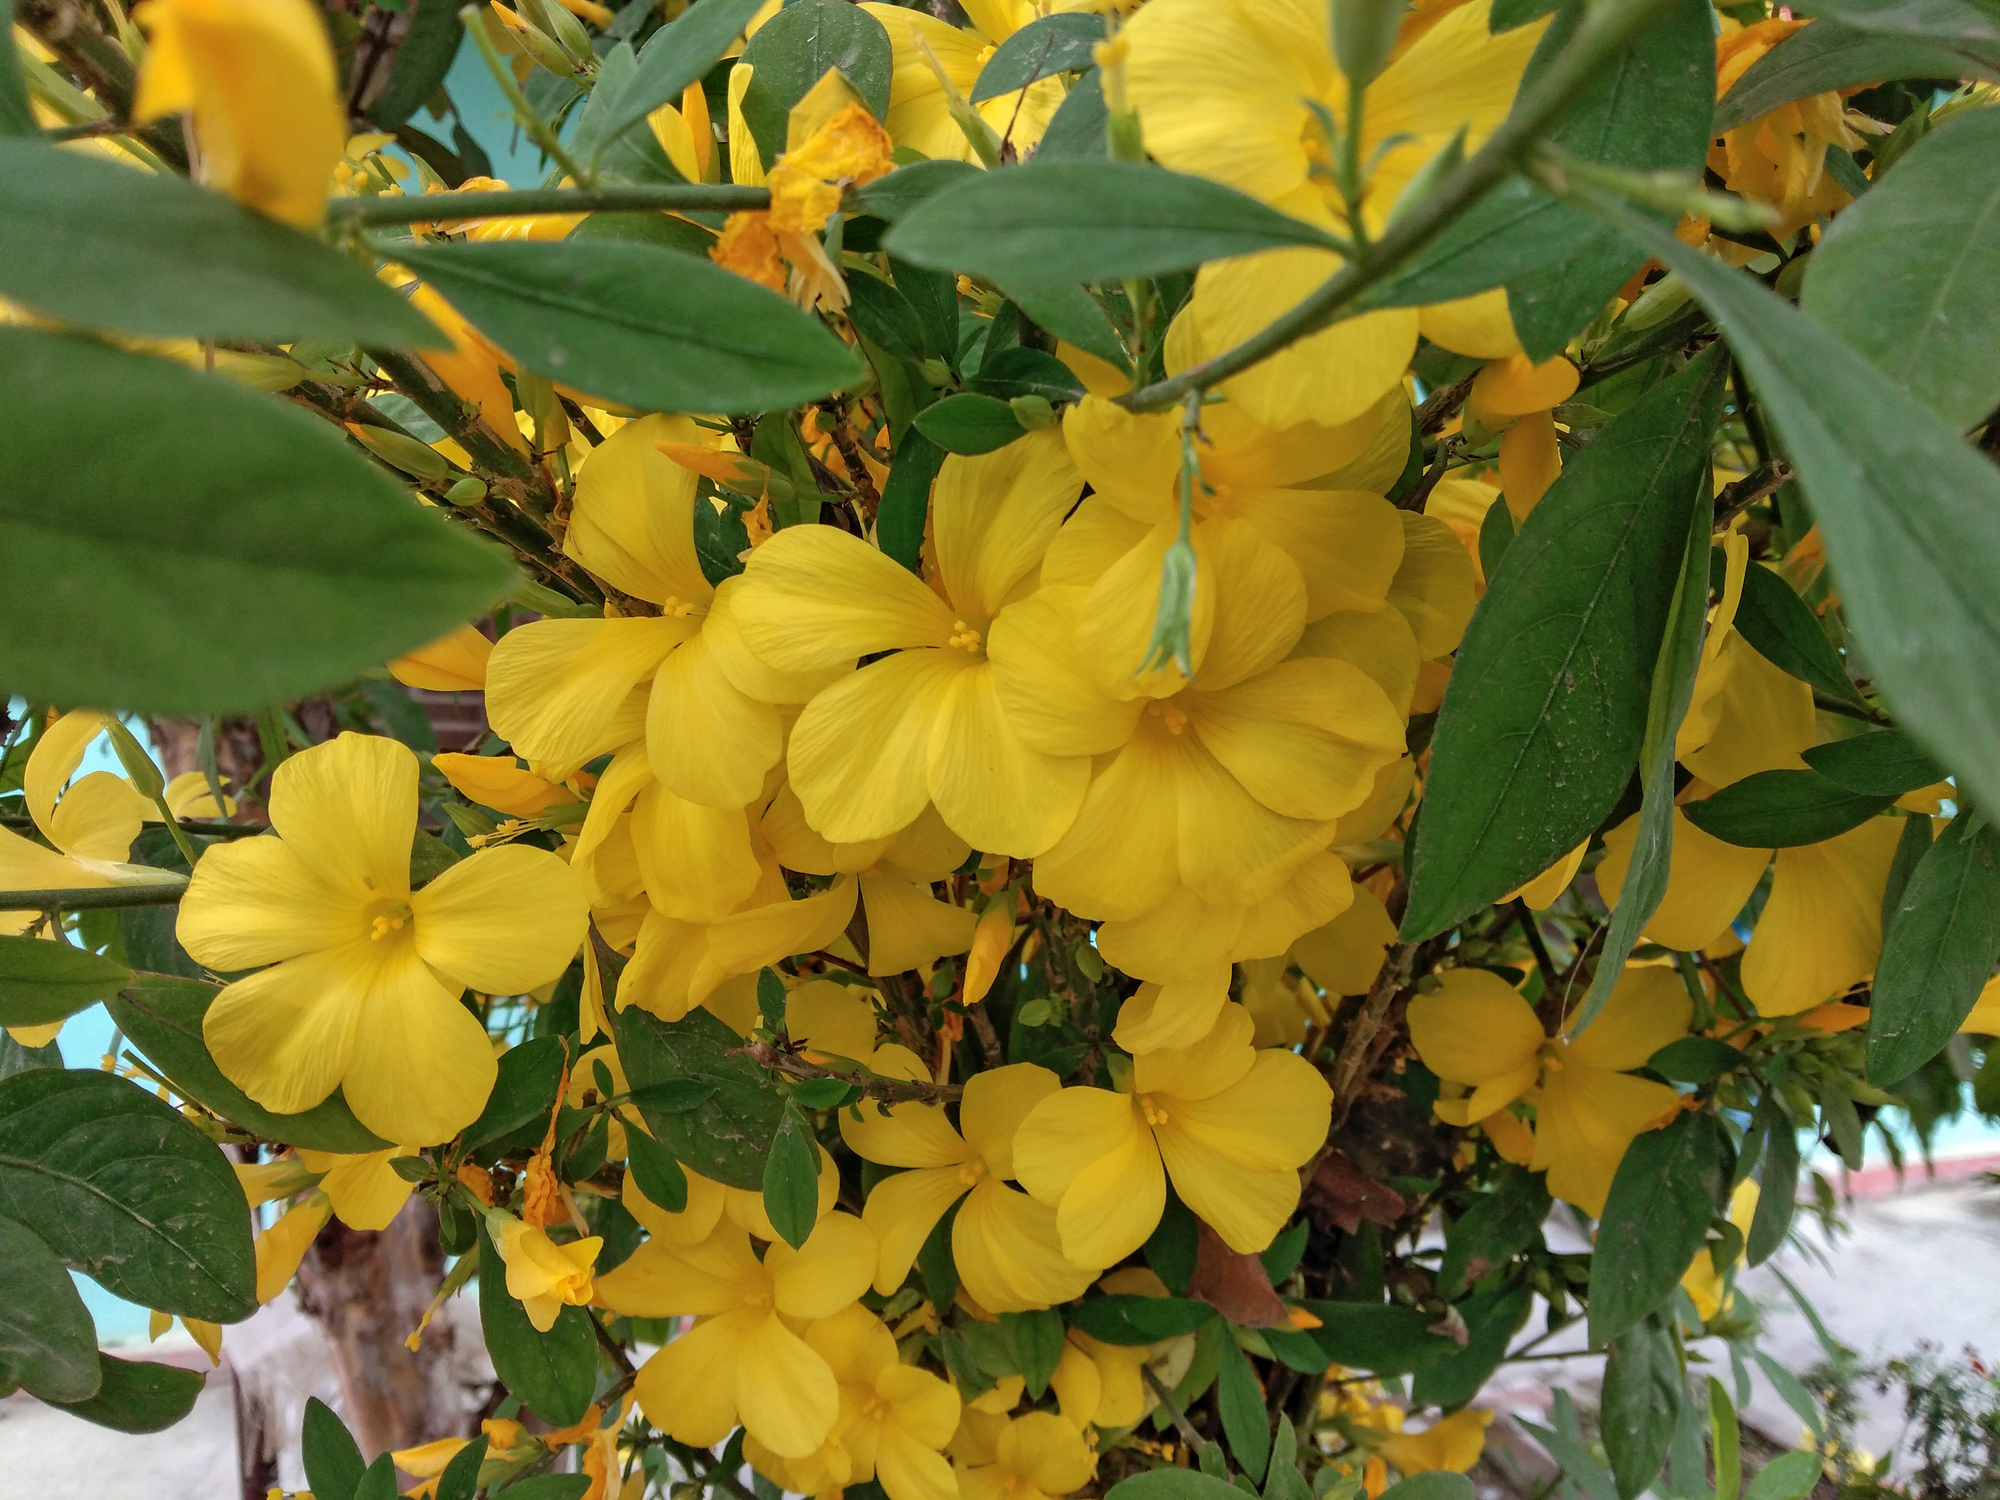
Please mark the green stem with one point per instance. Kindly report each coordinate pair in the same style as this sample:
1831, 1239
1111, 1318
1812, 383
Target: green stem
618, 198
95, 897
537, 128
1608, 25
1351, 185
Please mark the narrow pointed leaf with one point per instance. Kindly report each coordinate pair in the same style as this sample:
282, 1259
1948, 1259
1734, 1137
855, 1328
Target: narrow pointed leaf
1939, 950
139, 1395
1783, 810
44, 982
1667, 1189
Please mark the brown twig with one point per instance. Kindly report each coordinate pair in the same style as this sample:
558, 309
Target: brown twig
1351, 1065
1441, 403
888, 1090
1766, 479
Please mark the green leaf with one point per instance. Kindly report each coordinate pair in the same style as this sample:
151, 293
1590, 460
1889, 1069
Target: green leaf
678, 54
554, 1373
1695, 1059
44, 982
1076, 132
92, 243
673, 1096
1123, 1319
1492, 1318
1886, 763
649, 327
1782, 810
1939, 950
1560, 655
1284, 1481
794, 49
546, 1487
1831, 55
524, 1091
1790, 1476
1055, 44
1673, 681
791, 1179
1726, 1438
664, 230
1438, 1484
1173, 1484
162, 522
1912, 844
163, 1016
1902, 274
1501, 1223
1656, 1217
1245, 1423
461, 1476
378, 1482
1779, 1185
430, 857
728, 1137
660, 1177
332, 1458
1909, 511
1382, 1337
17, 117
1643, 1391
1282, 1256
126, 1191
1577, 1465
895, 194
1787, 633
1067, 310
1035, 1339
935, 1266
883, 314
1090, 221
1645, 111
1027, 372
139, 1395
48, 1345
620, 155
1792, 1391
423, 58
970, 423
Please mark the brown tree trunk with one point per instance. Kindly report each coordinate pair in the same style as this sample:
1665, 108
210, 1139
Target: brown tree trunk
368, 1290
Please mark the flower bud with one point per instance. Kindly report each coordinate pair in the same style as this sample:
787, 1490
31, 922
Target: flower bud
467, 491
1033, 412
401, 451
1170, 641
1364, 34
990, 941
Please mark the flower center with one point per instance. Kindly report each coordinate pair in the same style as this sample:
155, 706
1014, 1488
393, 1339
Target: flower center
1175, 717
970, 1172
387, 918
966, 639
762, 1297
676, 609
1155, 1113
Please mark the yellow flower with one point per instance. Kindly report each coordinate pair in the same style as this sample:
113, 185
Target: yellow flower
502, 783
188, 796
542, 1276
281, 1247
1231, 1126
365, 974
919, 108
1228, 91
1984, 1018
1451, 1443
849, 149
1003, 1241
563, 692
1779, 158
455, 663
208, 1336
894, 1419
1520, 396
365, 1191
1035, 1457
258, 78
926, 722
91, 821
1101, 1385
709, 1204
1476, 1030
742, 1363
1702, 1282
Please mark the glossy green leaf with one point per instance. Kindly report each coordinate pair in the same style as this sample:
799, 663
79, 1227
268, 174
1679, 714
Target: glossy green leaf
676, 55
1909, 511
1501, 1223
1380, 1336
126, 1191
645, 326
44, 982
1437, 1484
1578, 1466
1782, 810
332, 1458
1786, 632
378, 1481
791, 1179
1695, 1059
524, 1091
48, 1345
1912, 844
1905, 275
162, 1017
1643, 1392
1027, 372
1123, 1319
882, 313
1667, 1188
1035, 1339
906, 498
159, 525
1492, 1319
1939, 950
553, 1373
1067, 310
1060, 43
1832, 55
1884, 762
970, 423
1076, 132
1560, 655
794, 49
895, 194
1173, 1484
660, 1177
100, 245
461, 1476
547, 1487
423, 57
139, 1395
1673, 679
1083, 221
603, 136
1778, 1196
1239, 1401
728, 1137
1789, 1476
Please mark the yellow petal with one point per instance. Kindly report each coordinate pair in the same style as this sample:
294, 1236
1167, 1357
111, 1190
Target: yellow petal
422, 1067
1479, 325
632, 522
994, 514
1121, 855
908, 927
503, 922
1202, 1068
1821, 930
902, 1210
366, 1192
996, 791
1345, 955
688, 1389
1347, 545
1515, 385
1435, 587
455, 663
1648, 1008
904, 1135
1232, 847
99, 816
785, 1393
1708, 882
1306, 738
556, 690
1584, 1121
349, 809
286, 1035
1050, 698
1010, 1253
1764, 718
1542, 892
1474, 1028
813, 596
1530, 461
713, 742
834, 1266
697, 861
746, 941
994, 1105
1172, 1014
1260, 605
57, 754
254, 901
860, 751
1383, 645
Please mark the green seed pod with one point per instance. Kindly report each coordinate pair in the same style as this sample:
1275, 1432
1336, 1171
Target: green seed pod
467, 491
401, 451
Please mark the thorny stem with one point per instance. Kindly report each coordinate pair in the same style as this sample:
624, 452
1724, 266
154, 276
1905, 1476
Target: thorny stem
1608, 25
888, 1090
612, 198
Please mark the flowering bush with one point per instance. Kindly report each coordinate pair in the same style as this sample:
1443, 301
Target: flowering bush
1154, 671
